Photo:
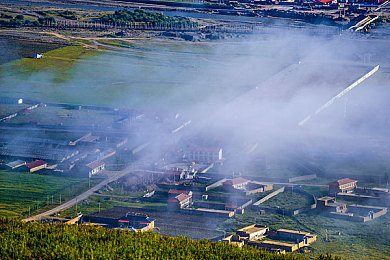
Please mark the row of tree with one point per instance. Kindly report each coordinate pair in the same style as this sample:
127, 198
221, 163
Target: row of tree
125, 16
20, 21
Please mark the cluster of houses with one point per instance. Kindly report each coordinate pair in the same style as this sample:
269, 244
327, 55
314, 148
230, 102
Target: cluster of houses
83, 157
347, 189
281, 241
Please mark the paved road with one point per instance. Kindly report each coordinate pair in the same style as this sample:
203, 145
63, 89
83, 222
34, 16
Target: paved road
84, 195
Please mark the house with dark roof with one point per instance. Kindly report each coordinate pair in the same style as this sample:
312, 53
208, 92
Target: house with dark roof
36, 165
110, 219
342, 186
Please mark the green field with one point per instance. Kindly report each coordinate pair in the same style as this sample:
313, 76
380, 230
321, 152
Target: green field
21, 190
33, 241
288, 200
165, 75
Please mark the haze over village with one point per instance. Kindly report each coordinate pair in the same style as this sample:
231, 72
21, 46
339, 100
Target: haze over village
211, 129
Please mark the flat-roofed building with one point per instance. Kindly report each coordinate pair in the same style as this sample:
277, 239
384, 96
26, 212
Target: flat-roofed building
15, 164
234, 239
344, 186
294, 235
329, 204
274, 246
36, 165
252, 232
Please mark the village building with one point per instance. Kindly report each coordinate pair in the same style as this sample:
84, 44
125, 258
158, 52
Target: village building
203, 154
15, 164
294, 236
36, 165
342, 186
329, 204
236, 183
38, 56
174, 193
95, 167
110, 219
274, 246
234, 239
252, 232
180, 201
136, 222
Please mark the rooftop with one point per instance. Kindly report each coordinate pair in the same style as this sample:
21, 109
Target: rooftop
252, 228
186, 192
36, 164
271, 242
95, 164
293, 232
15, 163
344, 181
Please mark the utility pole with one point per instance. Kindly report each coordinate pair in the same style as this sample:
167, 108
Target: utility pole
76, 206
60, 198
28, 211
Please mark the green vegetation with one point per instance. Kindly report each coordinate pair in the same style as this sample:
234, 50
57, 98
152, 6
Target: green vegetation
65, 14
126, 16
96, 202
57, 63
288, 200
35, 240
21, 190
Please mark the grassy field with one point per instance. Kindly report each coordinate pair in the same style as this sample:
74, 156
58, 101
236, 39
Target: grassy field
288, 200
165, 75
21, 190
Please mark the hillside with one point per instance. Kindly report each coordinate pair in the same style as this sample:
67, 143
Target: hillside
58, 241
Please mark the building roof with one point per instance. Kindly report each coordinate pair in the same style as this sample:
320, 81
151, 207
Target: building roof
36, 164
277, 243
180, 198
344, 181
294, 232
236, 181
252, 228
16, 163
95, 164
186, 192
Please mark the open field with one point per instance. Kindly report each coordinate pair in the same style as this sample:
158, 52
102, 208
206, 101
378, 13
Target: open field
137, 76
67, 117
21, 190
